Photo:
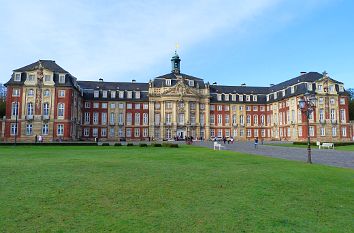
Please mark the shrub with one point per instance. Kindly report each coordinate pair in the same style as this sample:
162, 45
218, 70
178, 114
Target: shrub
117, 144
174, 145
171, 145
156, 145
105, 144
130, 144
165, 144
143, 145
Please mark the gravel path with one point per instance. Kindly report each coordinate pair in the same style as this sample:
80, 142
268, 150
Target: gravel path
324, 156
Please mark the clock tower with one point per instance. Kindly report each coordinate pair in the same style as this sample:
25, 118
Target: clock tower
176, 63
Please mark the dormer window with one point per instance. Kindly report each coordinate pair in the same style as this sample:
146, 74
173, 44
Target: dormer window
267, 97
319, 88
104, 94
61, 78
248, 98
121, 94
168, 82
341, 88
292, 89
240, 97
46, 78
227, 97
218, 96
17, 77
96, 94
275, 95
113, 94
283, 93
129, 94
309, 86
137, 95
255, 98
191, 83
30, 78
233, 97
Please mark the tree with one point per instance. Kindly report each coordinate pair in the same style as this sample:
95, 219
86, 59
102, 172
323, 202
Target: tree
2, 100
2, 109
351, 103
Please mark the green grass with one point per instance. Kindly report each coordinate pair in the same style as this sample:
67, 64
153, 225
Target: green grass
188, 189
343, 148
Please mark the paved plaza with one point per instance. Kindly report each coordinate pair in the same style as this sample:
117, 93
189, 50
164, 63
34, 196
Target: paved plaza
324, 156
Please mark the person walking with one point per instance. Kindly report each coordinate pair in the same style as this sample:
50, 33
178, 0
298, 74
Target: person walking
256, 143
224, 139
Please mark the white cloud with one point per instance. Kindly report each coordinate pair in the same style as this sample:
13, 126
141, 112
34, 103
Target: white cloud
113, 39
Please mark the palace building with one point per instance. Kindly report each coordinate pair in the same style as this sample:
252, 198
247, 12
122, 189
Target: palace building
44, 99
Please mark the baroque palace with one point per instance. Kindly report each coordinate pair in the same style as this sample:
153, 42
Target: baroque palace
44, 99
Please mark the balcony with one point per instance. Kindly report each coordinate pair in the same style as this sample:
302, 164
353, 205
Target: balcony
29, 117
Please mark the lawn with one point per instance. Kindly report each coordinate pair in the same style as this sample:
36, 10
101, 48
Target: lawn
188, 189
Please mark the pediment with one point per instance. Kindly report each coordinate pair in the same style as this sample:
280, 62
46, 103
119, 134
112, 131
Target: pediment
180, 89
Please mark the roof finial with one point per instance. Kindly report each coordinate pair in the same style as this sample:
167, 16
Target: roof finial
324, 74
177, 47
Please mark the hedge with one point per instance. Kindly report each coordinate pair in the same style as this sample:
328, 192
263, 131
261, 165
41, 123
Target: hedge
156, 145
130, 144
105, 144
143, 145
117, 144
49, 144
335, 143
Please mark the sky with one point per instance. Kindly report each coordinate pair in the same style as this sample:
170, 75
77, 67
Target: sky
257, 42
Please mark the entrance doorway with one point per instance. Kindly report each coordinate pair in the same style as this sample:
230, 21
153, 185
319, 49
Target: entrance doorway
180, 134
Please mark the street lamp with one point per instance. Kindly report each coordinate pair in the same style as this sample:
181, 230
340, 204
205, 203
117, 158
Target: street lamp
307, 105
16, 120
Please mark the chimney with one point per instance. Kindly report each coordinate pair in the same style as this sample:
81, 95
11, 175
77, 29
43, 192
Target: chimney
271, 84
243, 84
303, 72
101, 80
214, 83
133, 81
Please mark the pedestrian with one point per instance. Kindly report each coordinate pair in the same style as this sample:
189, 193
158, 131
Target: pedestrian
224, 139
256, 142
40, 138
35, 138
232, 140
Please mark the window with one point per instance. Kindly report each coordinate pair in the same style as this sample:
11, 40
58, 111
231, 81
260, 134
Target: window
129, 94
45, 129
201, 119
17, 77
218, 96
87, 104
212, 107
219, 119
30, 92
342, 115
30, 78
129, 118
111, 132
255, 98
322, 131
248, 98
283, 92
96, 105
14, 109
248, 108
341, 88
137, 106
29, 129
255, 119
331, 88
86, 132
321, 115
120, 132
61, 78
342, 101
137, 119
111, 118
16, 92
168, 118
309, 86
87, 118
46, 109
168, 82
104, 105
227, 108
46, 92
248, 119
192, 105
332, 101
262, 119
145, 106
255, 132
240, 97
145, 132
319, 87
121, 94
219, 132
60, 130
292, 89
13, 129
29, 109
248, 133
128, 132
61, 93
220, 108
120, 118
234, 117
145, 119
103, 132
104, 94
333, 114
233, 97
95, 118
168, 105
275, 95
129, 106
320, 100
137, 94
136, 132
212, 132
192, 118
96, 94
212, 119
344, 131
312, 131
46, 78
112, 105
113, 96
242, 122
157, 105
191, 83
60, 110
299, 130
121, 106
104, 118
227, 97
255, 108
95, 132
227, 119
157, 119
334, 131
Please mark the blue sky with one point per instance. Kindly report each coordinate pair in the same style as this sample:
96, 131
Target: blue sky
230, 42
